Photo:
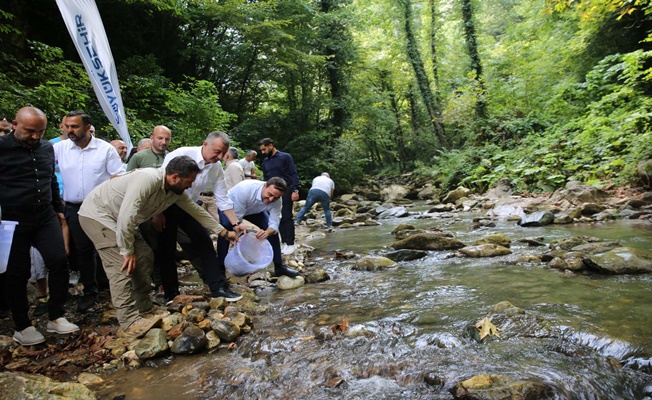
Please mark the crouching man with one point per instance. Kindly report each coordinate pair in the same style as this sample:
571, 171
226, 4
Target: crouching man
110, 214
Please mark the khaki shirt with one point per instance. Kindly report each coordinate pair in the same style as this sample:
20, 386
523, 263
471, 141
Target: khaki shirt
122, 203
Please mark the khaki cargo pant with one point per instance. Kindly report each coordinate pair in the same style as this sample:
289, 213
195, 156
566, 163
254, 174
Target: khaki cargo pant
129, 294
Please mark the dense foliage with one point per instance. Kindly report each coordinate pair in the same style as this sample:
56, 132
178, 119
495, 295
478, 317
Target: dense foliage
464, 91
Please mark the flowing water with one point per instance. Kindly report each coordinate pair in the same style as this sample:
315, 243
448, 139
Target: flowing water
410, 322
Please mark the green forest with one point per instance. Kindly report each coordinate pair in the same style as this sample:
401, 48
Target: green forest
463, 92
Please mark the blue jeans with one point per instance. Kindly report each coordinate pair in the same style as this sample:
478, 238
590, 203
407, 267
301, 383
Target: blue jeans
316, 195
261, 220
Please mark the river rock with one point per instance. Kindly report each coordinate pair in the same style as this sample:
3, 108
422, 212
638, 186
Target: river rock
439, 208
495, 238
428, 241
505, 307
621, 260
596, 247
191, 341
403, 227
217, 303
88, 379
539, 218
395, 212
502, 189
456, 194
213, 340
577, 193
373, 263
644, 169
153, 344
169, 321
23, 386
406, 255
507, 211
195, 315
533, 241
226, 330
589, 209
485, 250
562, 219
567, 243
287, 283
494, 387
428, 192
316, 275
6, 341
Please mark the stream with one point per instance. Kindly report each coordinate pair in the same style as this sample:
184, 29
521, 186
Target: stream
405, 337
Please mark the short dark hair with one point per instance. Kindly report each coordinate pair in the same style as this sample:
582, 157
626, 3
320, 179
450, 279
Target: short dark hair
266, 141
86, 119
278, 183
182, 165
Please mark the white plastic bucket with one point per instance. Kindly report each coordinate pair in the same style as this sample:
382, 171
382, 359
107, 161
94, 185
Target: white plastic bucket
248, 255
6, 237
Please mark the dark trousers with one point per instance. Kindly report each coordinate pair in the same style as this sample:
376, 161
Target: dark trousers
87, 259
38, 227
286, 226
200, 240
261, 220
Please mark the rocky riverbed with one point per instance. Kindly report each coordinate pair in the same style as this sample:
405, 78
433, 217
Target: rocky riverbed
193, 324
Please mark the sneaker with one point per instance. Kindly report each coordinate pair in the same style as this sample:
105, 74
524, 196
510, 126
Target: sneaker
289, 249
283, 247
29, 336
41, 306
74, 278
140, 327
228, 295
61, 326
87, 303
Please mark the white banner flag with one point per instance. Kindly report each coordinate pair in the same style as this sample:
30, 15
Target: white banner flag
85, 26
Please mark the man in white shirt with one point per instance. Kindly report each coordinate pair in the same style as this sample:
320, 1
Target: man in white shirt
233, 173
321, 191
259, 203
248, 165
84, 162
209, 180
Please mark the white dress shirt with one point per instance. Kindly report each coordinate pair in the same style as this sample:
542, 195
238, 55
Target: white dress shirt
323, 183
247, 199
84, 169
211, 177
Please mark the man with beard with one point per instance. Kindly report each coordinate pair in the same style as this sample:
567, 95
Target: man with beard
154, 156
121, 148
85, 162
110, 215
30, 196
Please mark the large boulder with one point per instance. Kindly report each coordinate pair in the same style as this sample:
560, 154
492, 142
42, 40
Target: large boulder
428, 241
502, 189
392, 192
539, 218
406, 255
577, 193
23, 386
621, 260
395, 212
454, 195
644, 169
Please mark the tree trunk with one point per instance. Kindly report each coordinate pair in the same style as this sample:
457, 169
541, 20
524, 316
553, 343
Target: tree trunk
420, 73
476, 65
434, 16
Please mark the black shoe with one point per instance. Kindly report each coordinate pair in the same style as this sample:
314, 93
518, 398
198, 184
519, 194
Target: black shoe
86, 303
285, 270
227, 294
41, 308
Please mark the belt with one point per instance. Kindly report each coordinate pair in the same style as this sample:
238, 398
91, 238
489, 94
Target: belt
206, 194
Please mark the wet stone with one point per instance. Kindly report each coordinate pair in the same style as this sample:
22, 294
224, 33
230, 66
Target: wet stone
316, 275
153, 344
406, 255
485, 250
23, 386
226, 330
373, 263
192, 340
287, 283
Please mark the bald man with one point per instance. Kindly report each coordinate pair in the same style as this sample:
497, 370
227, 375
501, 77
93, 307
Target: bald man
31, 197
121, 148
154, 156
